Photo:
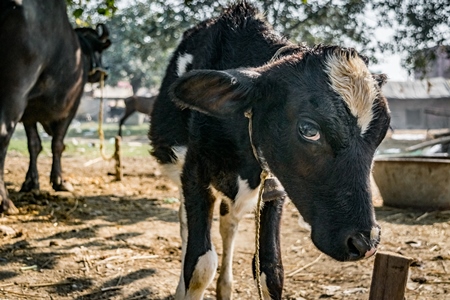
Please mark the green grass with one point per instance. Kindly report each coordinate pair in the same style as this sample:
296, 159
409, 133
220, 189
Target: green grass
82, 140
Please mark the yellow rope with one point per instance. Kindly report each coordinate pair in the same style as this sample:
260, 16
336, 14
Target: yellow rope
101, 135
264, 175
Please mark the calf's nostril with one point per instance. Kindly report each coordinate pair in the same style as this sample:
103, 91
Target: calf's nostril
357, 247
352, 249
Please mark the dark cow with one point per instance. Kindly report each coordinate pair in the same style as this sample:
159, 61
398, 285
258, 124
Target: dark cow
136, 103
315, 117
43, 68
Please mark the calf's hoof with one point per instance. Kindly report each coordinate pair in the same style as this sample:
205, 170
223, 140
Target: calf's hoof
8, 208
63, 186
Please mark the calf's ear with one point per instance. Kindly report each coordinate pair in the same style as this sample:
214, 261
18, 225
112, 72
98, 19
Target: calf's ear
217, 93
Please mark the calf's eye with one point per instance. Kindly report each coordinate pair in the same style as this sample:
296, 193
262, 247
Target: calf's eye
309, 130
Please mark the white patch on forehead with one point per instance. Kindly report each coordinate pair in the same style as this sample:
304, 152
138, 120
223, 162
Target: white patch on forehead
249, 73
351, 79
183, 61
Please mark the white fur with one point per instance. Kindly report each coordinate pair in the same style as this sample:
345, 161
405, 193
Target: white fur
173, 171
265, 289
183, 61
374, 233
351, 79
180, 292
3, 130
203, 275
303, 224
244, 202
228, 229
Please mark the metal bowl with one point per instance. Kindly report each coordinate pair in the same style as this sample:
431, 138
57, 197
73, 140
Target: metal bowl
414, 182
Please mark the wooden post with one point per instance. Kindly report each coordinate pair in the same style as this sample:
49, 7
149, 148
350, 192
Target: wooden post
390, 274
118, 158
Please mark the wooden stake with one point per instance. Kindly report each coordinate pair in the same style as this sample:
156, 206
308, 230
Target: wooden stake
118, 158
390, 274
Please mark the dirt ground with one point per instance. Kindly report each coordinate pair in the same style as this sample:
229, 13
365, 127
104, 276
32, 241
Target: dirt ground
119, 240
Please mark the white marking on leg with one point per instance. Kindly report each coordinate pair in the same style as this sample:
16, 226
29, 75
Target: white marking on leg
180, 292
244, 202
204, 272
228, 229
265, 289
183, 61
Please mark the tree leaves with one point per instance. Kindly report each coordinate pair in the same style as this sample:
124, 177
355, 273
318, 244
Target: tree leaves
145, 32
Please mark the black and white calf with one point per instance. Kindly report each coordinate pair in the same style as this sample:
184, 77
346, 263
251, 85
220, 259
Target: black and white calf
318, 117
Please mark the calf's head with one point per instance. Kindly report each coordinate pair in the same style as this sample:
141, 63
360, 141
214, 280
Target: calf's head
318, 117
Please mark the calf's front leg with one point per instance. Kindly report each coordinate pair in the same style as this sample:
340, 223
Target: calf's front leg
271, 266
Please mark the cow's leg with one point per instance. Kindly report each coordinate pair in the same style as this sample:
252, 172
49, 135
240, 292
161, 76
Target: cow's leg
200, 262
181, 289
271, 266
6, 131
231, 212
34, 148
12, 106
59, 130
228, 229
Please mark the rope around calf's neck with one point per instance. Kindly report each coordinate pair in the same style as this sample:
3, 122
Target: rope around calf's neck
264, 175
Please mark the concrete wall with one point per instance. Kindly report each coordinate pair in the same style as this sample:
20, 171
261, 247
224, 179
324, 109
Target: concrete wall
410, 113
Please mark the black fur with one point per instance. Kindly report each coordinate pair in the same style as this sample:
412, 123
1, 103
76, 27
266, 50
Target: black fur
234, 71
43, 70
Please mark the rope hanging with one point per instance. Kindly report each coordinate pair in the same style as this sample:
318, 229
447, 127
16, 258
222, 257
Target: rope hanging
265, 174
101, 135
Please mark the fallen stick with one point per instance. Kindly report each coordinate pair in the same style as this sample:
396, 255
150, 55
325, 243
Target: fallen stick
47, 284
117, 257
103, 290
93, 161
305, 266
26, 296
